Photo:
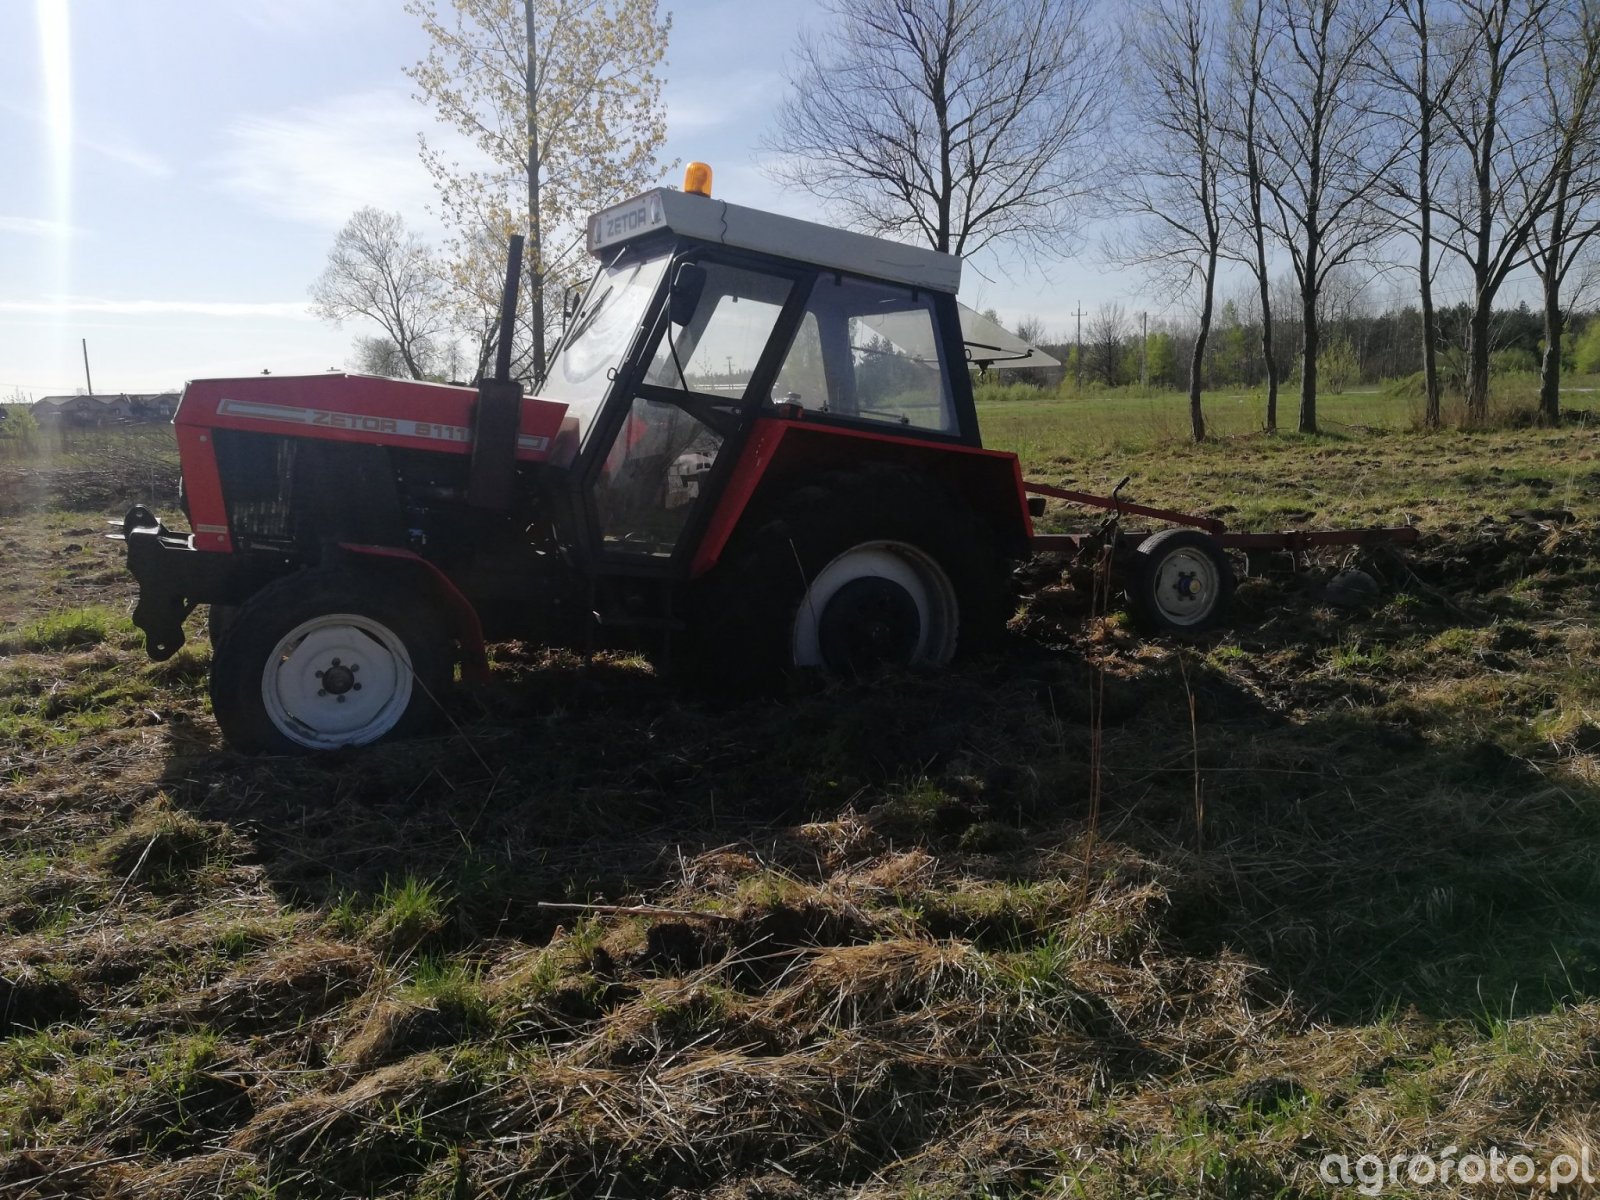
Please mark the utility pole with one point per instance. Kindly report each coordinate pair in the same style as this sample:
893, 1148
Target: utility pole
1144, 350
86, 377
1078, 346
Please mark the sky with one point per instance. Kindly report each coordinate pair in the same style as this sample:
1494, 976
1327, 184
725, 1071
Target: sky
177, 171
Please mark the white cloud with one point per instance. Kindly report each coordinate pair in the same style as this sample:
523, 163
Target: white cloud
121, 151
126, 155
38, 227
318, 164
283, 310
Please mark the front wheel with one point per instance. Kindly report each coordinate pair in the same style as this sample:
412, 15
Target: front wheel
325, 659
1180, 582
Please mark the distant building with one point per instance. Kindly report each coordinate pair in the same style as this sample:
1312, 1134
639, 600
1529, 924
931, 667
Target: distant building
122, 408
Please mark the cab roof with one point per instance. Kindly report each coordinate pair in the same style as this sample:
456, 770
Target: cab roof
709, 219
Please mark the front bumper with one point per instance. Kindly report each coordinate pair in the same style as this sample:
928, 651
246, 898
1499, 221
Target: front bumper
173, 577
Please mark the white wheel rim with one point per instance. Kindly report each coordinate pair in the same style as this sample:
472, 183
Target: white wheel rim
923, 580
1187, 584
367, 670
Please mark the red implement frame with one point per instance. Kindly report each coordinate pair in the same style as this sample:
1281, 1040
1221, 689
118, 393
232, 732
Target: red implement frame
1290, 540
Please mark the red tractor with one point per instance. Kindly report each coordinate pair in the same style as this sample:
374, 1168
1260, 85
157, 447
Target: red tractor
756, 443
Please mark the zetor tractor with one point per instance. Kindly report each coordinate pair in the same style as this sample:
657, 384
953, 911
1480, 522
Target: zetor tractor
756, 447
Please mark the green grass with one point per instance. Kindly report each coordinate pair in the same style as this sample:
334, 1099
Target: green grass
67, 630
865, 939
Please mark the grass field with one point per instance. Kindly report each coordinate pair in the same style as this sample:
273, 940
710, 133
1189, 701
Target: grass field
1328, 882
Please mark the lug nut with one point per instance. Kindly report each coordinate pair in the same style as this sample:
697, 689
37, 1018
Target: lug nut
336, 662
321, 692
319, 674
340, 699
357, 686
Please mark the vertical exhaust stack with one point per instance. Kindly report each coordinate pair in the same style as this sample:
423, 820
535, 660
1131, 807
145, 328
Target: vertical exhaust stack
498, 415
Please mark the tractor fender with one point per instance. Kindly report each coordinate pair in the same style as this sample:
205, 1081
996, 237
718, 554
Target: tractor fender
781, 455
464, 617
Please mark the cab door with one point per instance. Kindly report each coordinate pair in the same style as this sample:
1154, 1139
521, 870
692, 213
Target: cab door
651, 481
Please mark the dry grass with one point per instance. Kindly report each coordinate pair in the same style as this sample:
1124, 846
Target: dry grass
857, 942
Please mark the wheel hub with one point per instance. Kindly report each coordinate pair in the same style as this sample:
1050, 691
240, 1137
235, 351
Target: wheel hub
1189, 587
338, 678
869, 622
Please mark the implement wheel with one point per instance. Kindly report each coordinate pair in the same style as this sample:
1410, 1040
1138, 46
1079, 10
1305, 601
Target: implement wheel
1180, 582
324, 659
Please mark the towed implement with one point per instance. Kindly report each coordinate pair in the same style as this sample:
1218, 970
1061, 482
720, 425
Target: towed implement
756, 445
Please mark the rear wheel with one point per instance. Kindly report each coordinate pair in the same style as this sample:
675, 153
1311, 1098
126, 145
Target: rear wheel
326, 659
872, 569
1180, 582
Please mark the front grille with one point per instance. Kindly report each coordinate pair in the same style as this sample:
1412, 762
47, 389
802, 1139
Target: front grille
257, 485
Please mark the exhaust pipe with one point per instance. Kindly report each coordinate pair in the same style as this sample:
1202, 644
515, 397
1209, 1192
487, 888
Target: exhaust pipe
498, 414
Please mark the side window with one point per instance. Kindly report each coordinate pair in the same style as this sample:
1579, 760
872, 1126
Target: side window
871, 351
720, 346
801, 379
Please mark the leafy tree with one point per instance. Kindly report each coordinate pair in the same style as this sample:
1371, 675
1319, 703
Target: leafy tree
958, 123
1586, 350
19, 425
1337, 364
563, 100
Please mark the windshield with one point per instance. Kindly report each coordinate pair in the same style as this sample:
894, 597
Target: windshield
601, 331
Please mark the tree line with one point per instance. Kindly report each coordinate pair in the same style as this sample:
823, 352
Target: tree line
1306, 137
1312, 143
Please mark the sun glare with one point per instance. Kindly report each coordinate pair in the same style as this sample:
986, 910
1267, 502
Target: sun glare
55, 60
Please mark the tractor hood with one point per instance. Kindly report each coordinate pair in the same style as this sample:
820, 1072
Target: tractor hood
359, 408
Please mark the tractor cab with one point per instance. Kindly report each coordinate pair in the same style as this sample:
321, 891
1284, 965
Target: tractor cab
703, 321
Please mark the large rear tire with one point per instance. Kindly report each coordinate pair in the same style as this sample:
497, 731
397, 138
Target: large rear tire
218, 618
863, 570
324, 659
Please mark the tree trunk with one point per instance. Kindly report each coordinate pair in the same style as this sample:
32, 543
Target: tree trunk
1430, 356
1197, 418
1549, 267
1267, 355
1430, 353
535, 240
1478, 357
1310, 339
1550, 366
1253, 177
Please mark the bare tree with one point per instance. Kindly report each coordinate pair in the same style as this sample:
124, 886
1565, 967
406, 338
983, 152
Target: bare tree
1249, 42
1572, 91
1324, 146
958, 123
1169, 180
1106, 332
379, 270
1508, 162
1421, 69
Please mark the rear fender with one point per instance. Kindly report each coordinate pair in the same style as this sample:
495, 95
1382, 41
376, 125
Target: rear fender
466, 626
783, 454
